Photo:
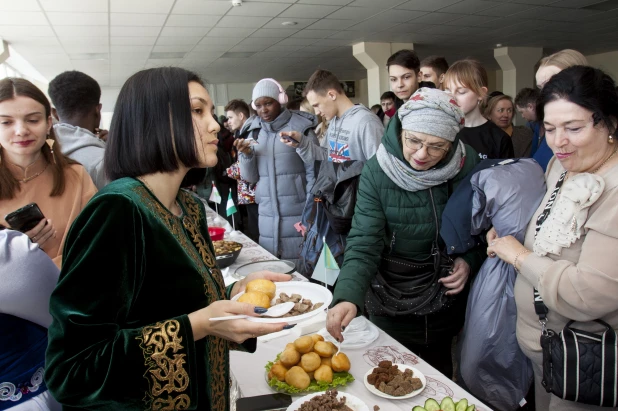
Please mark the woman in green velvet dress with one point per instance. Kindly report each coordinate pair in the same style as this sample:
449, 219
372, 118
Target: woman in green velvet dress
131, 310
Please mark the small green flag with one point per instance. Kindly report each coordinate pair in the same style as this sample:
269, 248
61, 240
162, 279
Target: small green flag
231, 207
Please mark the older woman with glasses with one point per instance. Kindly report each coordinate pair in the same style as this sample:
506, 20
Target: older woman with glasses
393, 248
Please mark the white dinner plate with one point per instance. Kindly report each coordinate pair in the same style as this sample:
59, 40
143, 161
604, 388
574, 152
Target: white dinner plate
402, 367
315, 293
351, 401
358, 334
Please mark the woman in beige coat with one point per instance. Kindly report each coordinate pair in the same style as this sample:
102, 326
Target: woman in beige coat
573, 259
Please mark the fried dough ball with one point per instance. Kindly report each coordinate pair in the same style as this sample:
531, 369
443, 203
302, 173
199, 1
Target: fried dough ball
289, 357
310, 361
297, 378
340, 362
263, 286
317, 337
324, 373
333, 346
290, 345
255, 298
278, 371
304, 344
326, 361
324, 349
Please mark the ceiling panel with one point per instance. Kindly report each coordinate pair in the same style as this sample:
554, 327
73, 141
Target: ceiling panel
59, 18
178, 40
195, 20
24, 5
184, 31
139, 6
328, 2
425, 5
230, 32
18, 32
300, 23
333, 24
94, 41
130, 49
373, 25
169, 49
309, 11
129, 31
242, 21
297, 42
137, 19
23, 18
382, 4
314, 34
221, 41
213, 8
83, 31
275, 33
354, 13
132, 41
469, 6
71, 5
259, 9
438, 18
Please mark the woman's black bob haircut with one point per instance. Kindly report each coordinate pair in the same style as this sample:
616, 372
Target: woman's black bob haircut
152, 126
587, 87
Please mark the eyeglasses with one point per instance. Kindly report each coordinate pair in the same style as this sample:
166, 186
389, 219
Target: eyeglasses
416, 144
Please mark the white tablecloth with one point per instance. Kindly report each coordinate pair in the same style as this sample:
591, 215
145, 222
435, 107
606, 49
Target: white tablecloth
249, 371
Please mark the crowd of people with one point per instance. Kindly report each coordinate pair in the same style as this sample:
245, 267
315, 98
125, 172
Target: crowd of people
109, 274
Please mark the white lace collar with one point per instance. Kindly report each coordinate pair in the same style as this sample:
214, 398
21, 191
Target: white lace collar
569, 213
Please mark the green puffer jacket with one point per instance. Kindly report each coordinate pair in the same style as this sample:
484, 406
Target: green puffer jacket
389, 219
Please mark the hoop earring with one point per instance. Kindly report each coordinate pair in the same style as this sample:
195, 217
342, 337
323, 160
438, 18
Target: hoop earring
610, 140
50, 142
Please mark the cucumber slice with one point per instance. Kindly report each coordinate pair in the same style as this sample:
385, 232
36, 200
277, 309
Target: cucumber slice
471, 408
447, 404
432, 405
462, 405
418, 408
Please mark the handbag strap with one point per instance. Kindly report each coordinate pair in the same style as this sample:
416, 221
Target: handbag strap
540, 308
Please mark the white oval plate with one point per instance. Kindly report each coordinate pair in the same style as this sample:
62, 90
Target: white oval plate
316, 293
402, 367
351, 401
359, 334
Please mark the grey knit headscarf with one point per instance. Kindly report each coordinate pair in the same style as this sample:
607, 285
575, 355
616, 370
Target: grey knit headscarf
432, 112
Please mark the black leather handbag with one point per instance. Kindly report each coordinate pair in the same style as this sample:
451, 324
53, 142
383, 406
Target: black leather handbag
578, 366
405, 287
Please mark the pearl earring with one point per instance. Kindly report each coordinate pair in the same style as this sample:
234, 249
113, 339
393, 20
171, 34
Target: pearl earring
610, 140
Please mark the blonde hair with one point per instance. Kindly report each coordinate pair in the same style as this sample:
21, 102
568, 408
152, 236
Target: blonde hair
564, 59
470, 74
493, 102
308, 107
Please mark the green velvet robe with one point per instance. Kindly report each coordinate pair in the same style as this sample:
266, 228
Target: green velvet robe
121, 338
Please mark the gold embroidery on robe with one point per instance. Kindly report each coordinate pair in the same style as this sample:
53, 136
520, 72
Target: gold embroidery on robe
214, 286
166, 374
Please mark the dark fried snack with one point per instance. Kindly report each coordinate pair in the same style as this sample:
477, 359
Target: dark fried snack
223, 247
326, 401
389, 379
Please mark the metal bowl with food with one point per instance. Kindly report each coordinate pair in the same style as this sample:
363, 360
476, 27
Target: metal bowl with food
226, 252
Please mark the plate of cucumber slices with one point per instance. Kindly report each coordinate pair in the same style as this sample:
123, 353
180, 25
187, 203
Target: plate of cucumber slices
447, 404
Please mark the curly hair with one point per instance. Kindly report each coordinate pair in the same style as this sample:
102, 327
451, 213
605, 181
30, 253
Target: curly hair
74, 93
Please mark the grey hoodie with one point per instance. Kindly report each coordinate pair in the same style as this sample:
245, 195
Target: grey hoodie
355, 135
85, 148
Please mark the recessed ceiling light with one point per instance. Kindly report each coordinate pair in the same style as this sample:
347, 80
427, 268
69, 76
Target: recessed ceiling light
289, 23
499, 45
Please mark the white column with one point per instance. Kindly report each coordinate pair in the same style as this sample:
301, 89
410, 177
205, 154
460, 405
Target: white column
517, 64
373, 57
4, 51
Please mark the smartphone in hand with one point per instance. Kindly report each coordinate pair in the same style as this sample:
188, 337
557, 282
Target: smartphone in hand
25, 218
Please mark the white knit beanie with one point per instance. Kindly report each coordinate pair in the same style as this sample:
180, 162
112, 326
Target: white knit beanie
265, 88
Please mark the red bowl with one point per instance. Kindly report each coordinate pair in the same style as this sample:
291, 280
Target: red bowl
216, 233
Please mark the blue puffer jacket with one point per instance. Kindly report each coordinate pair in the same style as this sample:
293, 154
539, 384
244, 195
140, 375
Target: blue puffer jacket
283, 180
